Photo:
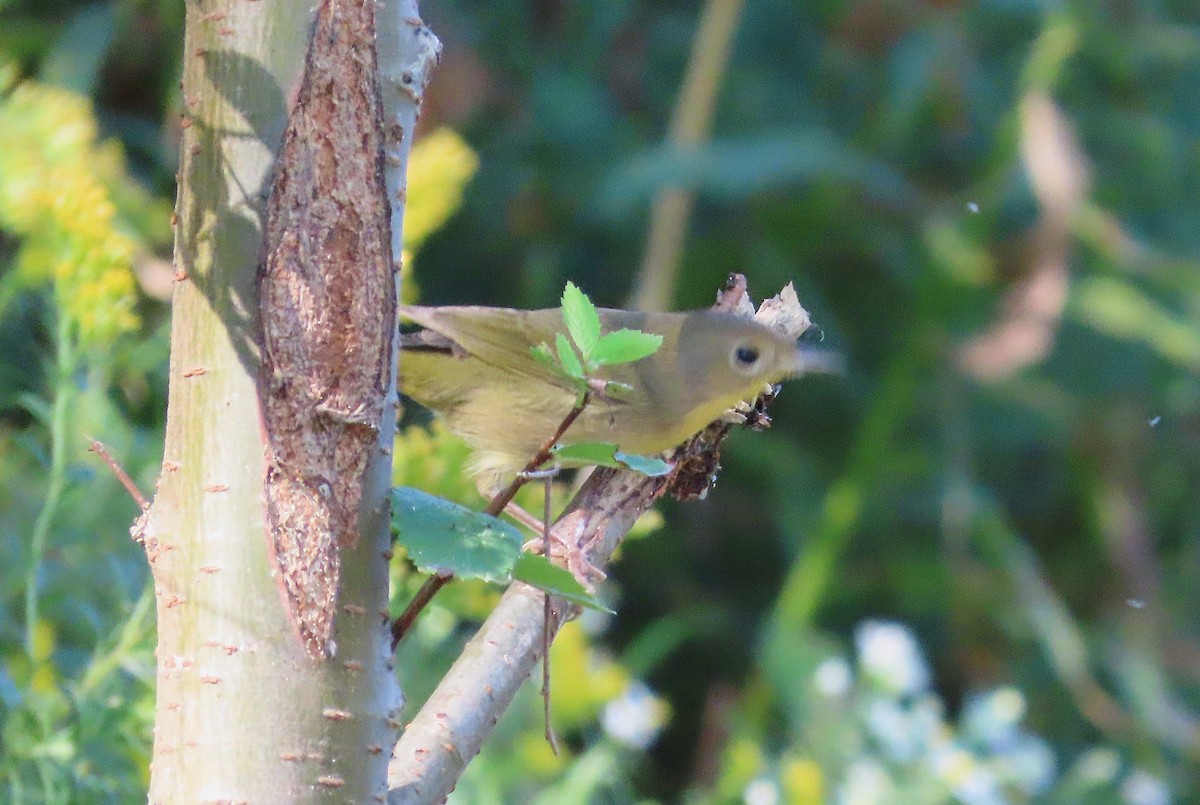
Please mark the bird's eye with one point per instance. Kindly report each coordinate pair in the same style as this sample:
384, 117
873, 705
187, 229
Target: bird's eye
745, 357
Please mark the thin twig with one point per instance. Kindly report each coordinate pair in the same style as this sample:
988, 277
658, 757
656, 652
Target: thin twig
544, 453
99, 449
547, 637
428, 590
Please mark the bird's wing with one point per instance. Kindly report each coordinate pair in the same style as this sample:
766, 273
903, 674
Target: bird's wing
501, 337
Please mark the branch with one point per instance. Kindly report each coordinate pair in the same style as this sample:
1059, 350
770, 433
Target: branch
96, 446
452, 725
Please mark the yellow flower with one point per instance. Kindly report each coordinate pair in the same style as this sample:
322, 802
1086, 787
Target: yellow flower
802, 782
595, 679
439, 168
43, 677
743, 759
56, 195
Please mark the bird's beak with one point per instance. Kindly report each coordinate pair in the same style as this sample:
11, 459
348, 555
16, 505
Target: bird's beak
810, 359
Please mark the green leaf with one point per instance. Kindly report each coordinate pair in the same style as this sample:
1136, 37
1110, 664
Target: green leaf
602, 454
747, 166
568, 358
537, 571
79, 52
646, 465
581, 318
441, 536
625, 346
616, 390
542, 354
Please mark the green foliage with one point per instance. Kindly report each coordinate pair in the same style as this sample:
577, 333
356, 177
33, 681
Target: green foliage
587, 349
596, 349
443, 537
601, 454
624, 346
571, 366
540, 572
582, 320
579, 358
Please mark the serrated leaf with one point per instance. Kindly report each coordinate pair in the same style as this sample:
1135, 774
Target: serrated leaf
441, 537
567, 357
542, 354
581, 318
625, 346
537, 571
602, 454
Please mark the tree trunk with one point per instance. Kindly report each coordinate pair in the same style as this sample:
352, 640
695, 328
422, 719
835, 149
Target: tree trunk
247, 710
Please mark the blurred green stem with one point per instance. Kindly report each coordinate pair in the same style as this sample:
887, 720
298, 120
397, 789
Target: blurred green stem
1049, 619
812, 572
65, 360
135, 630
690, 124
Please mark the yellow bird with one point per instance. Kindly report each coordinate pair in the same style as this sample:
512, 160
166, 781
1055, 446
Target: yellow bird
474, 366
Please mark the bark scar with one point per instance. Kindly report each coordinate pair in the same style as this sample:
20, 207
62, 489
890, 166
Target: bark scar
327, 309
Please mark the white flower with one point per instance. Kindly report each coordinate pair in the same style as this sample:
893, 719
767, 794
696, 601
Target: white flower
979, 788
993, 718
1143, 788
889, 655
971, 782
866, 783
904, 731
886, 722
761, 792
1030, 764
635, 717
1098, 766
833, 677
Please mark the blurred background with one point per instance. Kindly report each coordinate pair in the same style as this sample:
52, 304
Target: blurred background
966, 570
